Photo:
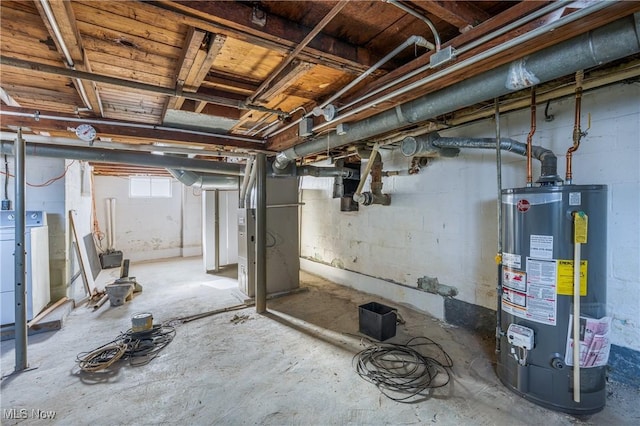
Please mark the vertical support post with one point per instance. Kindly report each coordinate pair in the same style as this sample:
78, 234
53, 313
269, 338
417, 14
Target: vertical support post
20, 257
210, 237
261, 233
499, 331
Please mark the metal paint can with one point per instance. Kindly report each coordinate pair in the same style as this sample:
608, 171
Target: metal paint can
141, 322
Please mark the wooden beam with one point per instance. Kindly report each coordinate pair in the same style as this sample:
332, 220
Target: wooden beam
192, 44
229, 83
285, 78
303, 43
63, 23
121, 129
278, 34
460, 14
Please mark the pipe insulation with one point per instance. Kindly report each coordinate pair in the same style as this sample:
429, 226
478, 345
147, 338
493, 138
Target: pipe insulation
602, 45
431, 143
206, 182
123, 157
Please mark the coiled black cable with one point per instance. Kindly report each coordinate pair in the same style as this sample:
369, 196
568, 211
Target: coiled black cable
405, 373
139, 348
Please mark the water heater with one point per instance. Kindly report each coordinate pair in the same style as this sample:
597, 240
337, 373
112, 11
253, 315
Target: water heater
537, 281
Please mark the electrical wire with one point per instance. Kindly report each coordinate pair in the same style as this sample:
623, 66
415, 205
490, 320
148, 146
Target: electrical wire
139, 348
40, 185
6, 177
405, 373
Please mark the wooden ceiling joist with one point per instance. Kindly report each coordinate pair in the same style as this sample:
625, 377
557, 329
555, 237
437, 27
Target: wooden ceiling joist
279, 34
461, 14
121, 129
60, 21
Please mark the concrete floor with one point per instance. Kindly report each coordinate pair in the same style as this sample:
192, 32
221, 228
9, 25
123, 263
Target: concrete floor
290, 366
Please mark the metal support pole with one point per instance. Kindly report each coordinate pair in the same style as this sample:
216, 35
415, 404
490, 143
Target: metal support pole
499, 331
20, 257
261, 233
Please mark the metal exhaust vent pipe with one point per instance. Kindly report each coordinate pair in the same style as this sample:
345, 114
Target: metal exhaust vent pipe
126, 157
432, 144
206, 182
602, 45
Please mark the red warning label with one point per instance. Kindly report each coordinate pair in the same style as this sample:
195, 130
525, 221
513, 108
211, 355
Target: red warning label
523, 205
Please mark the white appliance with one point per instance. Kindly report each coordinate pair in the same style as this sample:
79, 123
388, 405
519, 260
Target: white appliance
37, 263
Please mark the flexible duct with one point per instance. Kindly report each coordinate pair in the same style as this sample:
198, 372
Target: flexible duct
123, 157
206, 182
432, 142
602, 45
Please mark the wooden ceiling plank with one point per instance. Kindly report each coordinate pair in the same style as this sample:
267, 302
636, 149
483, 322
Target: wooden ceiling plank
91, 13
275, 74
234, 19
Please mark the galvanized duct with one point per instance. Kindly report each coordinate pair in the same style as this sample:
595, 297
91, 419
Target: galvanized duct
206, 182
432, 143
125, 157
602, 45
343, 172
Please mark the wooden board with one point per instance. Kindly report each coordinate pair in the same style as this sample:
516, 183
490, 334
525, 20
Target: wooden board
94, 260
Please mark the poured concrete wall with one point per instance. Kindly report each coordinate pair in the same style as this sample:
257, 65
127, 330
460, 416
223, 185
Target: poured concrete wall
442, 222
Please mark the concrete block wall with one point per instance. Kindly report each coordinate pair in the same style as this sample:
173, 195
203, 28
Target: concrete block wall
151, 228
442, 222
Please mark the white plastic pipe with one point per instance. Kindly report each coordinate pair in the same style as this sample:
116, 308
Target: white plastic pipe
109, 243
576, 321
113, 223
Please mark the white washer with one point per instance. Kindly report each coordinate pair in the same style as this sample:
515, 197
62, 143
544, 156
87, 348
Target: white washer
37, 264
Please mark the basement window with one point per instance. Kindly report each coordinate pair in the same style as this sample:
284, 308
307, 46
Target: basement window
149, 187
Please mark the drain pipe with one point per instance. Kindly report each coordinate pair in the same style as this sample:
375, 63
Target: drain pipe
577, 132
602, 45
375, 196
530, 137
123, 157
429, 143
206, 182
245, 182
20, 259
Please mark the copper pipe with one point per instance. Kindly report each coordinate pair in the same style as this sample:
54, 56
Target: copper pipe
530, 136
577, 132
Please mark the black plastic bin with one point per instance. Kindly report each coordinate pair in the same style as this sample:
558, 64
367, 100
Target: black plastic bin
377, 320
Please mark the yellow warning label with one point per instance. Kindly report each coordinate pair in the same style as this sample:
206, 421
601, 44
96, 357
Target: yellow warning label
580, 222
565, 277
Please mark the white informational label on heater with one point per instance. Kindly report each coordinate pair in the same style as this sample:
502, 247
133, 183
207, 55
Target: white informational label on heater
575, 198
514, 279
512, 260
595, 342
541, 246
532, 294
